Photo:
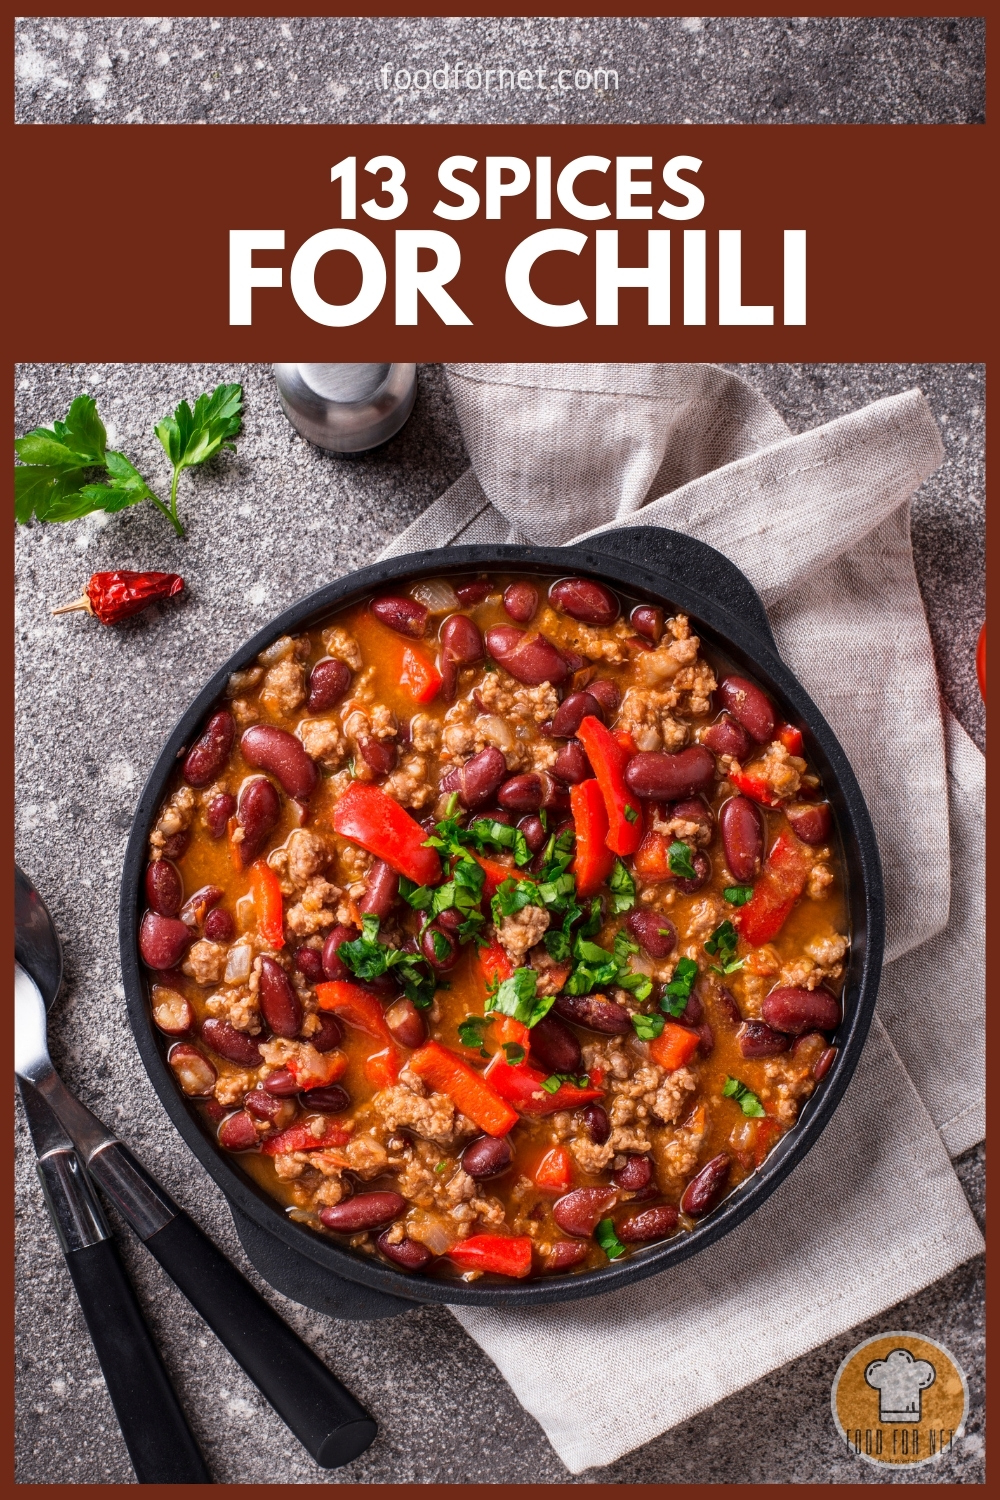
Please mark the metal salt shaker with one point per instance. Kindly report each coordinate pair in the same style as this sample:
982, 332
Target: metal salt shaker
347, 408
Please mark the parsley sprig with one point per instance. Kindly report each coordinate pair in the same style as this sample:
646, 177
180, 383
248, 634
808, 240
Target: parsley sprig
679, 859
744, 1097
738, 895
722, 945
678, 992
609, 1242
369, 959
518, 997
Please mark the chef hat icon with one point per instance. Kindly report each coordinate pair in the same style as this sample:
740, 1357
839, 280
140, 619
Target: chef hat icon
900, 1381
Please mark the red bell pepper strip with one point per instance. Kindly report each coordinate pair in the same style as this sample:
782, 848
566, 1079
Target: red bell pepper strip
356, 1006
267, 900
366, 816
502, 1254
754, 787
608, 761
496, 873
382, 1068
554, 1171
506, 1029
301, 1138
468, 1090
522, 1085
594, 860
786, 870
652, 861
674, 1046
418, 676
495, 963
791, 738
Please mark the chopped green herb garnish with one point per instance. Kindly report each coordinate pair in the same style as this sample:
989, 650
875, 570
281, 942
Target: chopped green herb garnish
555, 1081
647, 1027
609, 1242
722, 944
622, 888
442, 1166
631, 815
678, 992
514, 1053
369, 959
679, 859
745, 1098
738, 895
518, 997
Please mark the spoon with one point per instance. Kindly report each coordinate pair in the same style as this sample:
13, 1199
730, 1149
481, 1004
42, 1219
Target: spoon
321, 1412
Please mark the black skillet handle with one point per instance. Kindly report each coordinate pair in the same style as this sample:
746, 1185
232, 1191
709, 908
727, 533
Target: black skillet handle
322, 1413
156, 1433
657, 549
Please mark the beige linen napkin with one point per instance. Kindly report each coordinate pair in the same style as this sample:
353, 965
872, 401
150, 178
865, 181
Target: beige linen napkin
820, 525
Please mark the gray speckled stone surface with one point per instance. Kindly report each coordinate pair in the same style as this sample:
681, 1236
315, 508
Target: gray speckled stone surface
94, 704
691, 69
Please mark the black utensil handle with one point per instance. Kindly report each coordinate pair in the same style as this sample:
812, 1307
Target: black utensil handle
159, 1441
323, 1415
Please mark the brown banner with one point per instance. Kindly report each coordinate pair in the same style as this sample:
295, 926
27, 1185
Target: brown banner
130, 255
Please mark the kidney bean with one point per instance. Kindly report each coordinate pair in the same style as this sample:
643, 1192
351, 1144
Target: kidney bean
748, 705
595, 1013
237, 1133
386, 986
702, 867
811, 821
571, 764
655, 935
487, 1156
175, 847
823, 1063
197, 908
265, 747
279, 1004
378, 755
726, 737
667, 778
329, 1034
534, 834
526, 655
264, 1106
163, 941
328, 682
218, 812
164, 888
520, 600
742, 830
704, 1191
693, 1012
450, 920
333, 966
406, 1023
636, 1173
555, 797
596, 1122
281, 1083
706, 1038
647, 1224
193, 1072
759, 1040
257, 812
585, 600
235, 1046
795, 1011
329, 1101
171, 1012
521, 793
309, 962
474, 592
477, 781
578, 1212
554, 1047
366, 1211
647, 619
694, 810
410, 1254
607, 694
461, 646
210, 751
563, 1254
571, 713
404, 616
726, 1005
431, 948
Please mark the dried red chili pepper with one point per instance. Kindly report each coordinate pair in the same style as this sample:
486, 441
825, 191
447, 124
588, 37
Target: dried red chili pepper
114, 596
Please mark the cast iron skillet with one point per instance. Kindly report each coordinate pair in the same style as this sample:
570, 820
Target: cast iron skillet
656, 565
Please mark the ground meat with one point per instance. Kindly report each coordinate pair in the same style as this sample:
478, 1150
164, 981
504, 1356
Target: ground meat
695, 684
366, 1156
544, 754
337, 642
609, 1056
500, 694
311, 1067
671, 1096
676, 1148
323, 740
828, 951
244, 712
320, 906
410, 785
781, 771
591, 1157
290, 1164
518, 933
819, 882
789, 1079
434, 1118
763, 962
425, 733
551, 976
698, 834
654, 668
329, 1192
238, 1007
595, 642
645, 715
174, 818
284, 687
303, 855
702, 920
206, 962
231, 1087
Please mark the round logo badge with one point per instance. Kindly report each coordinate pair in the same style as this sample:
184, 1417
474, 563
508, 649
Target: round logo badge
900, 1400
